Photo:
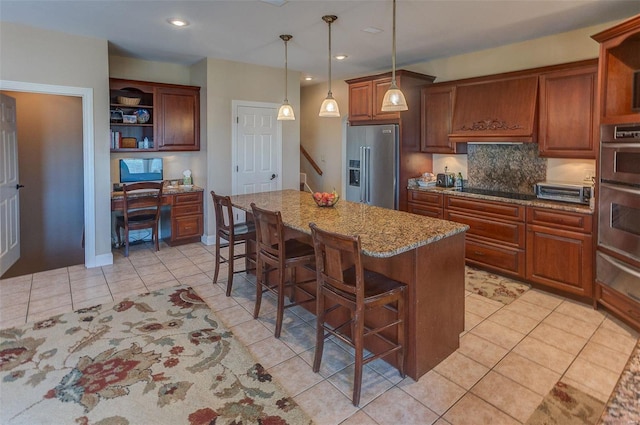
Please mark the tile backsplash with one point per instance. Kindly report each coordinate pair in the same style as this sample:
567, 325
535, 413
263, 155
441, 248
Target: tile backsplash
505, 167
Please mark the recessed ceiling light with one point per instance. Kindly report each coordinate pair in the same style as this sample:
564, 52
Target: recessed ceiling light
275, 2
178, 22
340, 57
308, 78
372, 30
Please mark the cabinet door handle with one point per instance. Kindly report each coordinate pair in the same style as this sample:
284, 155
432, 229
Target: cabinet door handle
478, 253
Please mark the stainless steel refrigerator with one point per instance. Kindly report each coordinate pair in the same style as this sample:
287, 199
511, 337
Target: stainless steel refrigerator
372, 165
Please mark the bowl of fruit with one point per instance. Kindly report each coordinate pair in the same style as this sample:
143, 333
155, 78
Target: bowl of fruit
326, 199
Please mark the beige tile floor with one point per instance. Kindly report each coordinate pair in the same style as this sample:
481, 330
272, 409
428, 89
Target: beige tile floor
509, 356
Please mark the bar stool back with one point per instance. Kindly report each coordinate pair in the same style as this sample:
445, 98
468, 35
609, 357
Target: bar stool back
234, 234
274, 253
342, 281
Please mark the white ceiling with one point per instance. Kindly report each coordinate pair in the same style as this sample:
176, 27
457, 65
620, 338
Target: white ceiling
248, 30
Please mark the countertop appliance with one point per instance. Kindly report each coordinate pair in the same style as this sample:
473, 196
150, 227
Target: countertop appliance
445, 179
372, 165
578, 193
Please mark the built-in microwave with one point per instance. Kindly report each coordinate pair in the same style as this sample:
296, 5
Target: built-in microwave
620, 154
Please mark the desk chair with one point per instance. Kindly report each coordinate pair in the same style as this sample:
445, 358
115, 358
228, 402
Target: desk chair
141, 210
342, 281
274, 253
234, 234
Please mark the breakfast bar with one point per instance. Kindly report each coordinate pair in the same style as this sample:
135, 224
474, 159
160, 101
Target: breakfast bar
426, 254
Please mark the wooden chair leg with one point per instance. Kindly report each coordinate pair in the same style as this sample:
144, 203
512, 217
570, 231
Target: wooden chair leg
320, 317
357, 376
215, 274
155, 235
402, 335
126, 242
230, 261
280, 308
259, 282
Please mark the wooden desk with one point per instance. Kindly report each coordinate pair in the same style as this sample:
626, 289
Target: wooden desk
425, 253
185, 213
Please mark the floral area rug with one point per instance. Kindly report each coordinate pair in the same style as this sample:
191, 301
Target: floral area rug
493, 286
159, 358
566, 405
623, 406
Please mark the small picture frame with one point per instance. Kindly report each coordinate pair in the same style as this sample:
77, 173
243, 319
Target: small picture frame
635, 99
129, 119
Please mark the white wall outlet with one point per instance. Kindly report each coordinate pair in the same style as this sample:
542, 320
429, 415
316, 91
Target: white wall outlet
588, 174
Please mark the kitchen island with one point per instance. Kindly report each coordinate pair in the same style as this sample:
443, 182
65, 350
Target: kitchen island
426, 254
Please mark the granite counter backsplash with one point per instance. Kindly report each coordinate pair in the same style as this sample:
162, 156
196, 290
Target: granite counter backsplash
505, 167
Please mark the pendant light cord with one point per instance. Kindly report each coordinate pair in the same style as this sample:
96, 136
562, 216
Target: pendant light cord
393, 47
286, 66
330, 94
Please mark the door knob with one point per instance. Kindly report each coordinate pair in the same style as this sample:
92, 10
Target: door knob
273, 176
18, 186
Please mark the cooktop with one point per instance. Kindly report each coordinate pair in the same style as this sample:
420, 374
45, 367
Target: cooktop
510, 195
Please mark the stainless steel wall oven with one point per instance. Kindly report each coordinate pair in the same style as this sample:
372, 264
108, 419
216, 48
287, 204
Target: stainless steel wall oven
618, 254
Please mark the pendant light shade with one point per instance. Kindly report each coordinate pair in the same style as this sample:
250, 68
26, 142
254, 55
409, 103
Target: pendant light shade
329, 107
394, 100
285, 113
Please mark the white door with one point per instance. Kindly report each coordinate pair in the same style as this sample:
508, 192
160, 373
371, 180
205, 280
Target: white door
258, 151
9, 193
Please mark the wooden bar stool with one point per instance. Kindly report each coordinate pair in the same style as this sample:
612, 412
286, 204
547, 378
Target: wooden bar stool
342, 281
234, 234
274, 253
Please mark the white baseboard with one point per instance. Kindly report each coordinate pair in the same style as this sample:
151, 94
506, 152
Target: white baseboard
100, 260
208, 239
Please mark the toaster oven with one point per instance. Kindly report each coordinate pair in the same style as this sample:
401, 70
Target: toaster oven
577, 193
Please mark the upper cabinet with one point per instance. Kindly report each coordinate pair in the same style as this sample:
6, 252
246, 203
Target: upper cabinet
619, 72
568, 124
166, 115
499, 110
437, 113
366, 94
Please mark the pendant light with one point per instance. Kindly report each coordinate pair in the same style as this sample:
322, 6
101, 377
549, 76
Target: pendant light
329, 106
285, 113
394, 99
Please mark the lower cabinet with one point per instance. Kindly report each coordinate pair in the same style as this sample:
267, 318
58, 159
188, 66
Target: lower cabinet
560, 250
187, 223
425, 203
496, 236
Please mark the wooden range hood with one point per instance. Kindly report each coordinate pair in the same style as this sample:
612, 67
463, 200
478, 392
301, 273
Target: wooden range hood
502, 110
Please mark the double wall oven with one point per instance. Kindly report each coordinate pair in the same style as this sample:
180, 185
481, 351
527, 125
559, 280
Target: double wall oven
618, 254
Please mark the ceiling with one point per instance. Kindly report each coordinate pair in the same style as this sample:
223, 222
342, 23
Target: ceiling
248, 30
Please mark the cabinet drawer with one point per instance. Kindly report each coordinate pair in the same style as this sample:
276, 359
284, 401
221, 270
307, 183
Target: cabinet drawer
186, 227
426, 210
509, 233
183, 198
502, 210
619, 304
433, 199
504, 259
188, 209
560, 219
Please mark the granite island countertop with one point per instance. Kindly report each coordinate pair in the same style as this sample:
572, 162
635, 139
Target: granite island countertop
623, 406
542, 203
383, 232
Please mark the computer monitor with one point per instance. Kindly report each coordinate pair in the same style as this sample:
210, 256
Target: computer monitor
140, 170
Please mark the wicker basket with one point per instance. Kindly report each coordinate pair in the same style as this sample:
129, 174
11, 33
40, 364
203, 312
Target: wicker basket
129, 101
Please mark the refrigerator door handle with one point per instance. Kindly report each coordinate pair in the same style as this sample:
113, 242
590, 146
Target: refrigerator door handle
363, 175
367, 154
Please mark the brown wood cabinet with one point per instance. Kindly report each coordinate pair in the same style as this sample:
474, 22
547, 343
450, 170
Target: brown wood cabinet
568, 124
560, 250
496, 235
437, 113
429, 204
187, 223
174, 110
370, 90
618, 80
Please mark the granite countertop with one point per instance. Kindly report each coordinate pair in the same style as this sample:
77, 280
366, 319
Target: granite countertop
542, 203
623, 406
166, 190
383, 232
